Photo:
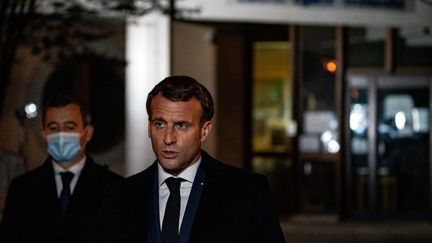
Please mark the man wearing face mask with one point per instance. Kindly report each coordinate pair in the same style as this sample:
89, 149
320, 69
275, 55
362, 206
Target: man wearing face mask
58, 201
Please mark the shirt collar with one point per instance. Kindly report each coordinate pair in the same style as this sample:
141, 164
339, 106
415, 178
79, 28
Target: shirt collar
76, 168
188, 174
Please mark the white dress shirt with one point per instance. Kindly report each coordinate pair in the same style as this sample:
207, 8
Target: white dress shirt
76, 169
188, 176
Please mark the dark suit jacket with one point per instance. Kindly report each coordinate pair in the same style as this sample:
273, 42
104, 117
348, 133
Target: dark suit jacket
234, 207
32, 215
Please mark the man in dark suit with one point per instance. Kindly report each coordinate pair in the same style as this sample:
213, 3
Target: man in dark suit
186, 195
58, 201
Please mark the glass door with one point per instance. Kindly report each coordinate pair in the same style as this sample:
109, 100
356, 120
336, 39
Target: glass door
271, 116
388, 146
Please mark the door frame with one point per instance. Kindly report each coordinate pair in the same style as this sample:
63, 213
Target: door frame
373, 83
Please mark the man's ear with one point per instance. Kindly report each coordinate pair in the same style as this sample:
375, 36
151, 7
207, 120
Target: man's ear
44, 136
205, 130
89, 132
148, 129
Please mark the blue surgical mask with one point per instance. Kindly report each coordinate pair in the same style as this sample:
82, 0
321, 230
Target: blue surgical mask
64, 146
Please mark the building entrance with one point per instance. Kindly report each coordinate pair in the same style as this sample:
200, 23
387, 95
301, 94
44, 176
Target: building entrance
388, 143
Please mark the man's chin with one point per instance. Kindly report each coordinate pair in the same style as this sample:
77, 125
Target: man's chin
168, 164
172, 171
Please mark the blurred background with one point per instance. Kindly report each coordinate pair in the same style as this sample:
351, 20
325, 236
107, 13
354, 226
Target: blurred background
330, 99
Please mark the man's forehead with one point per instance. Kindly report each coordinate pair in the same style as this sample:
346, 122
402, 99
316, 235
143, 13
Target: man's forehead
160, 101
160, 95
64, 113
175, 111
173, 115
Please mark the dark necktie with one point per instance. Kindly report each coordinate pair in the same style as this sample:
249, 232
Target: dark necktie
170, 225
65, 194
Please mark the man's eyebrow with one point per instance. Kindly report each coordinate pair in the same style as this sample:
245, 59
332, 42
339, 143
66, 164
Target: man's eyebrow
158, 119
70, 123
183, 122
51, 124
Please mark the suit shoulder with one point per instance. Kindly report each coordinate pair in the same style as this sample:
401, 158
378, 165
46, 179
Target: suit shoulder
135, 182
33, 174
242, 174
29, 179
229, 172
139, 177
109, 173
104, 170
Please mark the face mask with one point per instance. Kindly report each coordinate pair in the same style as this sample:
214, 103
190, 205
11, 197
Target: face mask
64, 146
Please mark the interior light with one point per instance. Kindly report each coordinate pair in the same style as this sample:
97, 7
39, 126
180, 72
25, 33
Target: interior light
400, 120
330, 65
416, 119
354, 121
358, 118
333, 146
307, 168
30, 110
326, 136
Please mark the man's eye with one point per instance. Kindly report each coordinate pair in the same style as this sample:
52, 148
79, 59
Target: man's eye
159, 124
182, 125
52, 129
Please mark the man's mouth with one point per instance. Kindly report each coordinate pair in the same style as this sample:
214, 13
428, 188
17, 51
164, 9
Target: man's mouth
169, 154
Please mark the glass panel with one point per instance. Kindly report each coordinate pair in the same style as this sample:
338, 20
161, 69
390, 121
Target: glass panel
415, 46
319, 129
279, 171
318, 187
403, 150
319, 68
320, 126
358, 125
366, 47
272, 105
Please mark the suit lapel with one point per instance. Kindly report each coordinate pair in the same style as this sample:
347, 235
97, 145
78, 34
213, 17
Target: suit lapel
210, 197
192, 205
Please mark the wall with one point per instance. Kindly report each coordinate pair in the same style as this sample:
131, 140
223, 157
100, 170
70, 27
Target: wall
233, 102
17, 134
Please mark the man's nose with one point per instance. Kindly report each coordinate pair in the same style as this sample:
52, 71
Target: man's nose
169, 136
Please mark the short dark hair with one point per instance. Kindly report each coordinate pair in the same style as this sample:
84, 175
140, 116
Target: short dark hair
62, 100
183, 88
